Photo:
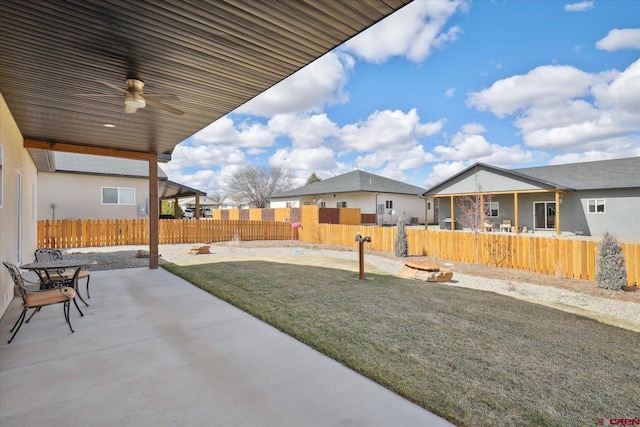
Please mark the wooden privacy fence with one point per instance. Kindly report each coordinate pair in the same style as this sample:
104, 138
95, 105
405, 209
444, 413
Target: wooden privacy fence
560, 257
76, 233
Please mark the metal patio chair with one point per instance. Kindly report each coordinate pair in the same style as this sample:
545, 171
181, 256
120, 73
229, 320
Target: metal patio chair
50, 254
36, 299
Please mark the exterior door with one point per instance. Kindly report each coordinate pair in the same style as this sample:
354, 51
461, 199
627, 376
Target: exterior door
18, 223
544, 215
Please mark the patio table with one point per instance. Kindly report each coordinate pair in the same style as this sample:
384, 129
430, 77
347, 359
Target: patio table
43, 269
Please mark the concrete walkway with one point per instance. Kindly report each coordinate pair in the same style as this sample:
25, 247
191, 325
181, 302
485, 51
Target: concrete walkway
153, 350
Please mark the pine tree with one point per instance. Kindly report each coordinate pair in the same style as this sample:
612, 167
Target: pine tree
401, 245
611, 273
312, 178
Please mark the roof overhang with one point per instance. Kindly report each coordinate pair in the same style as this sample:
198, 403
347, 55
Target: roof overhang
213, 56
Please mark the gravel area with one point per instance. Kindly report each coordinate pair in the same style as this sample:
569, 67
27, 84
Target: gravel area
581, 297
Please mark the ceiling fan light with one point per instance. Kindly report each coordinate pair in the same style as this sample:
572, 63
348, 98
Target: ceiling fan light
134, 100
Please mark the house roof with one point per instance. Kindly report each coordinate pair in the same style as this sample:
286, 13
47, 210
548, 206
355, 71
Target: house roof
212, 55
204, 201
601, 174
102, 165
351, 182
111, 166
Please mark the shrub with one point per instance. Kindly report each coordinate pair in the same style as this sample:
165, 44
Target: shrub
611, 273
400, 245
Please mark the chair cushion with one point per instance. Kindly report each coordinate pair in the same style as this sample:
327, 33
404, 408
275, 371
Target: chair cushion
37, 299
68, 274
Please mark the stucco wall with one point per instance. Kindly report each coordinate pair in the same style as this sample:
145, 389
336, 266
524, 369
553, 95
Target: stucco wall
410, 205
15, 158
80, 196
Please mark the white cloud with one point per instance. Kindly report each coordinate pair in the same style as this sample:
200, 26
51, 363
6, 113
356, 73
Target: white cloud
224, 132
388, 130
204, 156
628, 38
469, 146
443, 171
303, 130
413, 31
579, 7
315, 86
566, 110
450, 92
306, 159
621, 149
542, 86
415, 157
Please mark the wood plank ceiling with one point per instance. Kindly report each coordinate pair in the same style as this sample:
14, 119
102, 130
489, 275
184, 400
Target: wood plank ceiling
213, 55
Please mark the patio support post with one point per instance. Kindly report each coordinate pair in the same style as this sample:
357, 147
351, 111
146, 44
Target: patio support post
153, 213
196, 214
453, 219
481, 224
557, 213
515, 211
175, 208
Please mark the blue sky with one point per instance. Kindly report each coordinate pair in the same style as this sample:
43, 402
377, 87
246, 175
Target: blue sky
438, 86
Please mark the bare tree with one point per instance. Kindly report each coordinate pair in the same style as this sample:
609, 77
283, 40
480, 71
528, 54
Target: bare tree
218, 197
258, 184
473, 209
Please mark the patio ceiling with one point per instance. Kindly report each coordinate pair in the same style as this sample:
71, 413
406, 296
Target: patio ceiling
213, 55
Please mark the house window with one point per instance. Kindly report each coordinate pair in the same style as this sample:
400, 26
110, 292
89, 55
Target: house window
341, 204
595, 206
288, 204
491, 209
323, 204
118, 196
388, 204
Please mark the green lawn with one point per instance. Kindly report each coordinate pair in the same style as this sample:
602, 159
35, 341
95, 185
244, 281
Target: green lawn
475, 358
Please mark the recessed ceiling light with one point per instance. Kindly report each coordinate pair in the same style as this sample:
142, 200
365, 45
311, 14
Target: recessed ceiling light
109, 125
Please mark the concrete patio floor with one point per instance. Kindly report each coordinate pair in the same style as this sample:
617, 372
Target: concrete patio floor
153, 350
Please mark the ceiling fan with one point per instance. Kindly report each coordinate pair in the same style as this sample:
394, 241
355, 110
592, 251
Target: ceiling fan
134, 97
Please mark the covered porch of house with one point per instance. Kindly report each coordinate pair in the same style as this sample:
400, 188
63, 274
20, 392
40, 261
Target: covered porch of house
511, 211
152, 349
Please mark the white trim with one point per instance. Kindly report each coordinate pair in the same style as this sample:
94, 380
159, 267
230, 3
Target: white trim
546, 202
18, 218
119, 197
596, 212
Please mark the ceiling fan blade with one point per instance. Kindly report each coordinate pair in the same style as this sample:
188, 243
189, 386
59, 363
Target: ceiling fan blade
93, 95
161, 97
164, 107
112, 86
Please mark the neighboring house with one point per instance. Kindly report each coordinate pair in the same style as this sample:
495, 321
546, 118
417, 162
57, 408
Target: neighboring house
386, 198
18, 190
205, 203
587, 198
231, 203
98, 187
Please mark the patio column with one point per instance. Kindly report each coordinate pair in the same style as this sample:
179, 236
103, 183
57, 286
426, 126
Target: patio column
153, 213
515, 211
196, 214
481, 207
453, 219
175, 208
557, 213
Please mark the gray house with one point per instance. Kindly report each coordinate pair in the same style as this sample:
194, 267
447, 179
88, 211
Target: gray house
386, 198
80, 186
587, 198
